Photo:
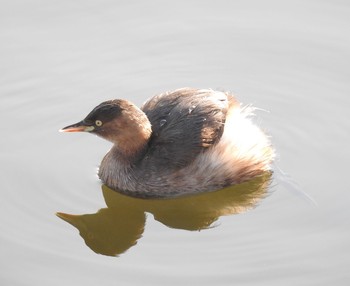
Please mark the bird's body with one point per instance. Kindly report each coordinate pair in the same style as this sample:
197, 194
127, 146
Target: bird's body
182, 142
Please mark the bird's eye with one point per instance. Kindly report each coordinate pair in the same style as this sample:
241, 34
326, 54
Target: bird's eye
98, 122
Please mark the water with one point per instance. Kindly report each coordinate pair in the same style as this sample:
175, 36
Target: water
60, 59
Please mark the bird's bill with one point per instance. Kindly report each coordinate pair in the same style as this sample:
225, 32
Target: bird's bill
77, 127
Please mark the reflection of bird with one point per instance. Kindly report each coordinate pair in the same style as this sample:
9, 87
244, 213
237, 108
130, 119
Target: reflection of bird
113, 230
109, 231
181, 142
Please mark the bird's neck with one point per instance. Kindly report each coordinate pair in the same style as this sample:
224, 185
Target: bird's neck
130, 134
131, 145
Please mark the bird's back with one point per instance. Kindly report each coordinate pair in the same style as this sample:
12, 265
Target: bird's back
185, 123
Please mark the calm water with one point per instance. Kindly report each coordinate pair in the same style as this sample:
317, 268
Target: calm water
58, 59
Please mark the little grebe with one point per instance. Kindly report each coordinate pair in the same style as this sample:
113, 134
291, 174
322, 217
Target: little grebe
182, 142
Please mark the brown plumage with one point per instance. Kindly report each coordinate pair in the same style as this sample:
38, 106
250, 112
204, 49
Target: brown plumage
179, 143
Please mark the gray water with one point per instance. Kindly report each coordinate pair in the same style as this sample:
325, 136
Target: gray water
59, 59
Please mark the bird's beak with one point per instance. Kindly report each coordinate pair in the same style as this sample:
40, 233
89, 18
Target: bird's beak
78, 127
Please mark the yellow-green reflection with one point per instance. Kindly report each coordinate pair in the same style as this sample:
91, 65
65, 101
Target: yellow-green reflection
113, 230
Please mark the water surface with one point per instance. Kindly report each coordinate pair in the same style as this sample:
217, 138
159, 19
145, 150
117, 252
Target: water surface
60, 59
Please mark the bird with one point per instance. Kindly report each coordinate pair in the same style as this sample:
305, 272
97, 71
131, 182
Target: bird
181, 142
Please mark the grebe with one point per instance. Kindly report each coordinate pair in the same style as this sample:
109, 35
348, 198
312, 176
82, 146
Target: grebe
182, 142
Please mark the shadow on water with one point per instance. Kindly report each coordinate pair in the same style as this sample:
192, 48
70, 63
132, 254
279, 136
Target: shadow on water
113, 230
